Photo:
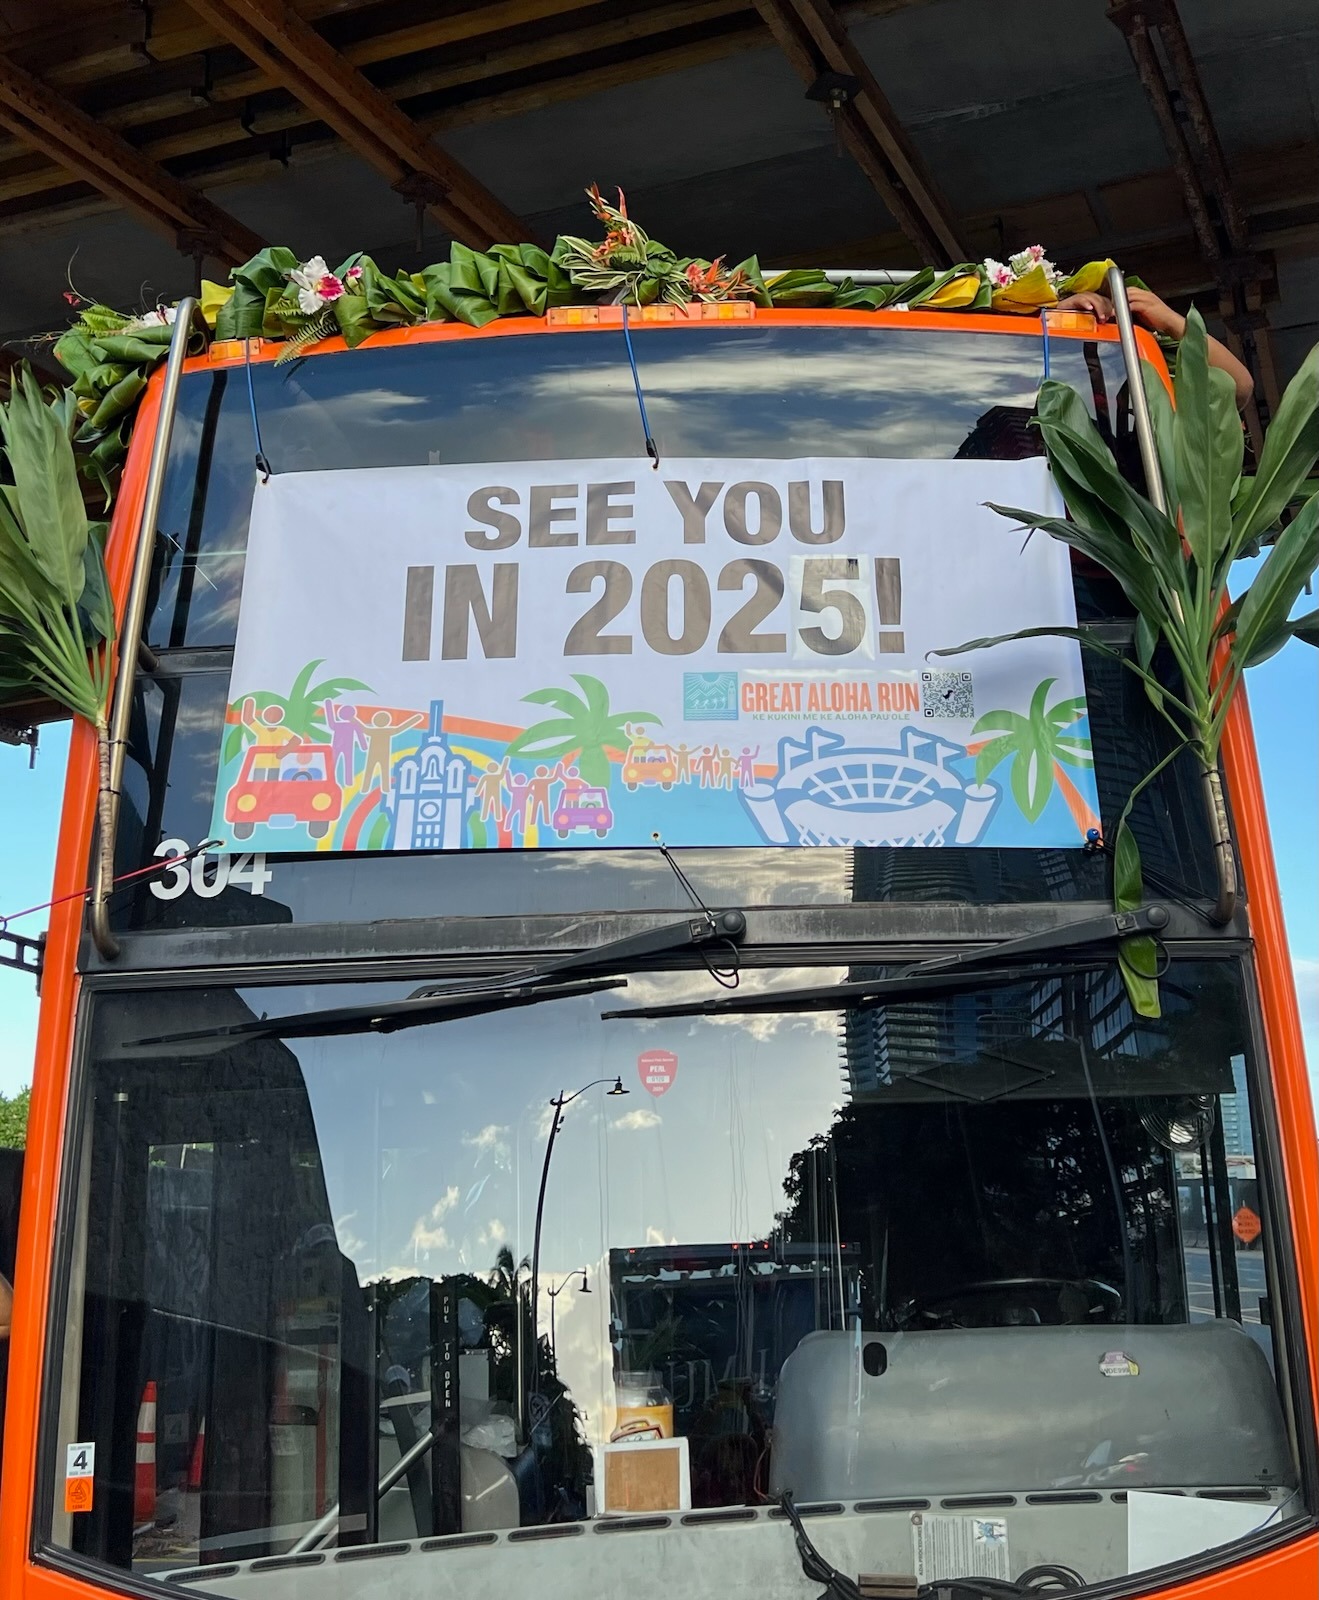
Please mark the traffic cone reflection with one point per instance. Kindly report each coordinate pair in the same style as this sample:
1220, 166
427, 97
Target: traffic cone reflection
144, 1473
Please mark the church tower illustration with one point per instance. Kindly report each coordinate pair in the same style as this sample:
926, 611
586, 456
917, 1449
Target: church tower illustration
429, 793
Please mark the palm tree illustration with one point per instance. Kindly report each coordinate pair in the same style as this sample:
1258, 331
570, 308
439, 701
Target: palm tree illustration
1038, 745
302, 707
587, 732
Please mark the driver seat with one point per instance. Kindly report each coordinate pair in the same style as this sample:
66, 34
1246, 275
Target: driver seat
967, 1410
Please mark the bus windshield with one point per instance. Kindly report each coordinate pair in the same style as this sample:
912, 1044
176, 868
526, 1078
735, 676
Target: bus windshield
429, 1296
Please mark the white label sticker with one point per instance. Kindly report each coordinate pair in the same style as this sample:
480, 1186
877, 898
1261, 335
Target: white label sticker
959, 1547
80, 1461
1118, 1364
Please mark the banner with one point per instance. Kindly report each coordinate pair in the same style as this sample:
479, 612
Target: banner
593, 653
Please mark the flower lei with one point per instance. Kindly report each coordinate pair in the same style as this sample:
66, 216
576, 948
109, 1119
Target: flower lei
1032, 259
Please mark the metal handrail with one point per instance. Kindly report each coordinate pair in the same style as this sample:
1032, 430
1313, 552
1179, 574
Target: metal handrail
860, 276
130, 633
1224, 860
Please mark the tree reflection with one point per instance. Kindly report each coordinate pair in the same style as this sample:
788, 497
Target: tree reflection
939, 1195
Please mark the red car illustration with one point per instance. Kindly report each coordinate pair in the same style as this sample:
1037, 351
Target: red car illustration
583, 808
285, 787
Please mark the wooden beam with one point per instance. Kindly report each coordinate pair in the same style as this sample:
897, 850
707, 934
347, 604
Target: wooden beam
815, 43
176, 32
56, 127
273, 36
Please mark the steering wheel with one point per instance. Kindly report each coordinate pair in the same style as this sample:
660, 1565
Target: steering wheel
926, 1308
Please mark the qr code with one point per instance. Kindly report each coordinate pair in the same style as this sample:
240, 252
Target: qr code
947, 694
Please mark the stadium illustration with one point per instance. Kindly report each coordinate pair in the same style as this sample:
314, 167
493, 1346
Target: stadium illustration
828, 792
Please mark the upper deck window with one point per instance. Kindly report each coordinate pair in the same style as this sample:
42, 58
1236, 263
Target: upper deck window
772, 390
744, 391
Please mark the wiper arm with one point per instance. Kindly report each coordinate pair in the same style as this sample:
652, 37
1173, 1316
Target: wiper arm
1093, 930
389, 1016
472, 997
943, 974
618, 955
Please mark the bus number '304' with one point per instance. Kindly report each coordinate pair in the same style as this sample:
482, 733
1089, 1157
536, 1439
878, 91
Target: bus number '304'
207, 874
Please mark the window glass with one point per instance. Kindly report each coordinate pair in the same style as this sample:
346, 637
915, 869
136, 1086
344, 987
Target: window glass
380, 1290
756, 389
753, 390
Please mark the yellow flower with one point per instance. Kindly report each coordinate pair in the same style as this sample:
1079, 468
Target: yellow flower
213, 296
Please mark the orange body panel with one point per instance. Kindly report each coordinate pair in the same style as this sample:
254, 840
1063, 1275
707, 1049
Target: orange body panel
1291, 1571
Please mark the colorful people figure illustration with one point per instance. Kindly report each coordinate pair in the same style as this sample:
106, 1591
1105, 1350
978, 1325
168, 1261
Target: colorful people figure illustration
746, 766
640, 742
538, 802
726, 765
520, 798
572, 786
490, 792
380, 731
346, 737
268, 732
682, 760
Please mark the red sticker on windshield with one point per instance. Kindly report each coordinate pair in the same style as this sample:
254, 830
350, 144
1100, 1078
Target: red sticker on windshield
657, 1069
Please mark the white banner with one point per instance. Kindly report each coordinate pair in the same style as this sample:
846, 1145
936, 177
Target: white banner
721, 652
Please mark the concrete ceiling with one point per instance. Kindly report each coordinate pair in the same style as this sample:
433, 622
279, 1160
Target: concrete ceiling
1028, 115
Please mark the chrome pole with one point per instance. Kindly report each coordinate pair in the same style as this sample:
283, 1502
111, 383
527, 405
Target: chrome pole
1224, 859
862, 276
130, 632
320, 1530
1140, 406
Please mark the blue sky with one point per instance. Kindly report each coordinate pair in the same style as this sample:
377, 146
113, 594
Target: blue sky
1284, 698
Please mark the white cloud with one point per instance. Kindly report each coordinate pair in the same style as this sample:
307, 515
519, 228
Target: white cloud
642, 1117
427, 1234
491, 1137
490, 1141
494, 1233
670, 988
349, 1243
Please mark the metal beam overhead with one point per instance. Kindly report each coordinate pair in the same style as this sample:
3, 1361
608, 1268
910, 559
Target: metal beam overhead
818, 46
1165, 64
295, 56
53, 125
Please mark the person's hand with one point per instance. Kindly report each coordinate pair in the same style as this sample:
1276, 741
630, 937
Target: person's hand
1146, 305
1099, 306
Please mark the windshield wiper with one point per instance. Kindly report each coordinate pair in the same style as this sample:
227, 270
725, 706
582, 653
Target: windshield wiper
617, 955
472, 997
942, 974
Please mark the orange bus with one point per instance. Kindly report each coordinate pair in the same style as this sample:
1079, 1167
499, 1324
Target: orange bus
929, 1276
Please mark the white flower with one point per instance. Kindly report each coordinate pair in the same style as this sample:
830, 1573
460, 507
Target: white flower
999, 275
317, 286
162, 316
